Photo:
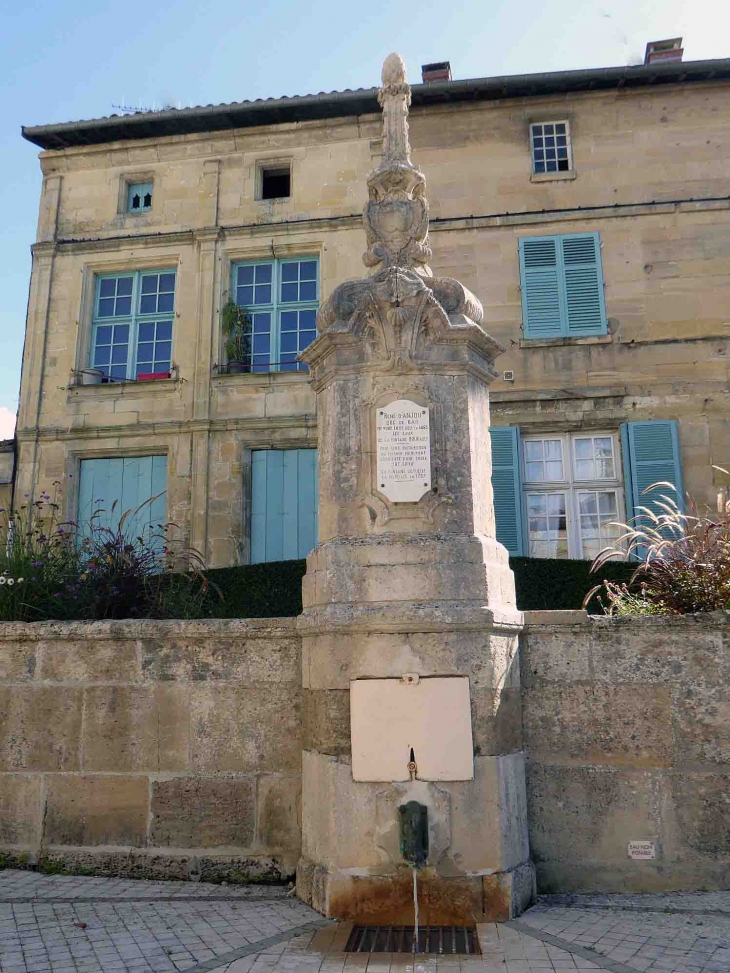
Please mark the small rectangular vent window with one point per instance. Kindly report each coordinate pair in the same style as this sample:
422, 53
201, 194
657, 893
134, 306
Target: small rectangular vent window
276, 182
550, 146
139, 197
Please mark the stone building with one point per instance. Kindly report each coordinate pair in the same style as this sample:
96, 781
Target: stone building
588, 210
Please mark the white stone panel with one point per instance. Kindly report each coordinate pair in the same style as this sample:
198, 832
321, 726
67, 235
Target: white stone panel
432, 716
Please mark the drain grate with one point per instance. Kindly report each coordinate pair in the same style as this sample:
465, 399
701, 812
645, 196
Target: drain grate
400, 939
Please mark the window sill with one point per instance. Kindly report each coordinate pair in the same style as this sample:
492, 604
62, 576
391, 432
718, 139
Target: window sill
129, 387
594, 339
553, 176
261, 378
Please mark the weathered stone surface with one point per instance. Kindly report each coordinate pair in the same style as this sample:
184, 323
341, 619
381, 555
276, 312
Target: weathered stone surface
133, 728
84, 810
496, 718
81, 660
279, 824
589, 814
247, 661
40, 729
628, 740
20, 810
245, 729
618, 725
18, 661
203, 812
701, 723
327, 721
702, 809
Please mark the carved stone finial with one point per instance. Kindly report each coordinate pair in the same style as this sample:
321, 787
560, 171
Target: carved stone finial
400, 310
396, 216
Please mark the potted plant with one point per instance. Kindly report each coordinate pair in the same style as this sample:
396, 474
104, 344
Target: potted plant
236, 323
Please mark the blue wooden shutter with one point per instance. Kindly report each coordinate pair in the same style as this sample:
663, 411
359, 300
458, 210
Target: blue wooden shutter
562, 286
119, 484
507, 489
283, 504
583, 283
651, 455
542, 306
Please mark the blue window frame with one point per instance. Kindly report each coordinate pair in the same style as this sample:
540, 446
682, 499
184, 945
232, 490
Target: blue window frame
282, 297
562, 286
139, 197
132, 327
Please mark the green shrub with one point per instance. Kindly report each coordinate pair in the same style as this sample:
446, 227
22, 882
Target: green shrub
268, 590
274, 589
552, 584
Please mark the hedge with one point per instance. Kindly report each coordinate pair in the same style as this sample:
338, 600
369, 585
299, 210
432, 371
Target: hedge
274, 589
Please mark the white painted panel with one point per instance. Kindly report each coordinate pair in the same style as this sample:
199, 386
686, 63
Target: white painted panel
388, 717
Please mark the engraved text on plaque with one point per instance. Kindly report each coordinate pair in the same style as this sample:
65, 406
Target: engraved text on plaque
404, 451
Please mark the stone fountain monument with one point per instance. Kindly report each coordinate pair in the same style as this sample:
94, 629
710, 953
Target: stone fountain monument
410, 669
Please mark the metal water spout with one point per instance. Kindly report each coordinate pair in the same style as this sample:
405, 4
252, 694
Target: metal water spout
413, 828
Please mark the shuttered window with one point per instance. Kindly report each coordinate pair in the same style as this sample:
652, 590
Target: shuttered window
651, 455
112, 486
506, 488
283, 504
562, 286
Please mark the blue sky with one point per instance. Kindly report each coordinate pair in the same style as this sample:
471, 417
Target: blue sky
63, 61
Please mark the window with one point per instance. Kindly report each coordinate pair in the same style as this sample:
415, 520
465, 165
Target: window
282, 299
572, 495
275, 182
561, 278
132, 328
139, 197
283, 503
557, 496
550, 143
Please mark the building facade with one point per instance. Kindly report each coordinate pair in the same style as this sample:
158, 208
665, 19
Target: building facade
588, 210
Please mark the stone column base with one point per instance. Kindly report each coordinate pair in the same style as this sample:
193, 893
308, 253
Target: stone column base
388, 899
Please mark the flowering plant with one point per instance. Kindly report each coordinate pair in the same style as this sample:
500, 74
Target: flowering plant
104, 568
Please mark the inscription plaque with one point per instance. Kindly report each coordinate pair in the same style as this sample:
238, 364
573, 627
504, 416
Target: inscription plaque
404, 451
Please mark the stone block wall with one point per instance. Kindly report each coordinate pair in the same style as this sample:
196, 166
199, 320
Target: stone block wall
627, 726
173, 749
155, 748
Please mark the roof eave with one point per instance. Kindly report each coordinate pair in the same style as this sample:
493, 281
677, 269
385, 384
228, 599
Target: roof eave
340, 104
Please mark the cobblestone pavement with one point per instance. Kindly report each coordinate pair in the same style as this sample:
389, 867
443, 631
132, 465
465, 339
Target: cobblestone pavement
65, 924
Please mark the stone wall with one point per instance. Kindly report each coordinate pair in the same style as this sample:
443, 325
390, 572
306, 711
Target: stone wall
627, 725
155, 748
174, 748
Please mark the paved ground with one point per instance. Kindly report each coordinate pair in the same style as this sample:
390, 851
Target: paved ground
65, 924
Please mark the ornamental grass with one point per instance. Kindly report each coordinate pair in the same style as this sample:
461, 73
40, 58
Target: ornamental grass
51, 569
684, 559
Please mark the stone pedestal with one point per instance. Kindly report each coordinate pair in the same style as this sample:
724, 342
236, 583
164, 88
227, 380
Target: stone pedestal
420, 587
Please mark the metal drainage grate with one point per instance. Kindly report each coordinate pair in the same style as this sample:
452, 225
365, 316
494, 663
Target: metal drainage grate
399, 939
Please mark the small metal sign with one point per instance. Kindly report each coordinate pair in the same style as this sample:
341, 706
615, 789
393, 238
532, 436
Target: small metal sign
642, 849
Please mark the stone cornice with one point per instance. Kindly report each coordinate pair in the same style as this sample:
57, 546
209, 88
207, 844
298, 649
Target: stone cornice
169, 428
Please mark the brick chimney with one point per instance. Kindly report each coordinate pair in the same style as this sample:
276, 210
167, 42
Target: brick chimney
438, 71
669, 50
